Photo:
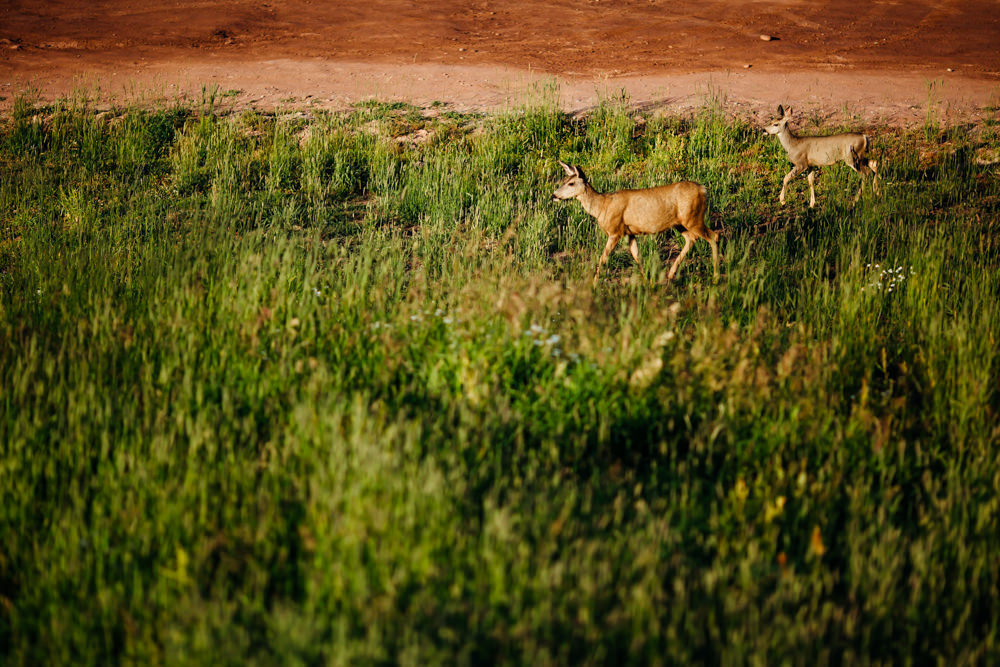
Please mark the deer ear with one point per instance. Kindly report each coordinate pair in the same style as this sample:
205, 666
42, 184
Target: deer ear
788, 112
781, 110
579, 172
568, 169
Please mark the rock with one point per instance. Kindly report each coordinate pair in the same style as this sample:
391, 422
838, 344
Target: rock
766, 38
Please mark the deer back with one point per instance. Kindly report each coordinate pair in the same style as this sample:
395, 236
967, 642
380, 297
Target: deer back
654, 210
820, 151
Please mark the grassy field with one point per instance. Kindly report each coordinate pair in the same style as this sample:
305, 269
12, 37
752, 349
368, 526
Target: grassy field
304, 389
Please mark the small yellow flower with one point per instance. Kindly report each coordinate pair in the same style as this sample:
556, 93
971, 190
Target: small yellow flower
816, 542
801, 480
773, 510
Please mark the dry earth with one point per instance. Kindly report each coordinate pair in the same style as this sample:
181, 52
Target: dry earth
887, 59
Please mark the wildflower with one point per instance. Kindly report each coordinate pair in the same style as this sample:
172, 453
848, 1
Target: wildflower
553, 339
643, 376
663, 339
773, 510
415, 318
447, 320
316, 292
816, 542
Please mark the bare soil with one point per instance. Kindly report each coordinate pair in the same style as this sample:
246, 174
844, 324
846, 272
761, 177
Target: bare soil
891, 59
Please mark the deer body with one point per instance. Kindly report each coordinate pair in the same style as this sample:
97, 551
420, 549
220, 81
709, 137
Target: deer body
806, 152
648, 211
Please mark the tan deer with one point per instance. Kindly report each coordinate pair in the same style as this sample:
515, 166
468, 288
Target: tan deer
806, 152
649, 211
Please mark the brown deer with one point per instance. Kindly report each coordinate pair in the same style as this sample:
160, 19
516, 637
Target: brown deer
806, 152
648, 211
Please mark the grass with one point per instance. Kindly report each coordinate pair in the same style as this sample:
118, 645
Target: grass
335, 389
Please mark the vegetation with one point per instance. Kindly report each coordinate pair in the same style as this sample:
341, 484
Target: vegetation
334, 388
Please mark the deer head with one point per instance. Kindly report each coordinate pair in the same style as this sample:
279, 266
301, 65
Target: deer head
779, 126
574, 185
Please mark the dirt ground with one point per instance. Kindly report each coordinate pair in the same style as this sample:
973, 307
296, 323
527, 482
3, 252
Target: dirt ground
888, 59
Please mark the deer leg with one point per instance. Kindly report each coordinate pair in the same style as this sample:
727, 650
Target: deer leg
796, 170
688, 242
858, 165
715, 257
868, 167
612, 242
864, 167
633, 247
811, 177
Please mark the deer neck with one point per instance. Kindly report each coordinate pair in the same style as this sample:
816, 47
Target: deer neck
789, 140
593, 201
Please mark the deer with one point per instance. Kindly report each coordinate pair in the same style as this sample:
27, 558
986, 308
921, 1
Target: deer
631, 213
807, 152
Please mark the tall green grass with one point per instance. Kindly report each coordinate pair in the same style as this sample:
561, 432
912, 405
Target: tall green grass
288, 389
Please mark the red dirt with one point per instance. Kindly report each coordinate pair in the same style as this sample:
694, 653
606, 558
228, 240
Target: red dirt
874, 58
